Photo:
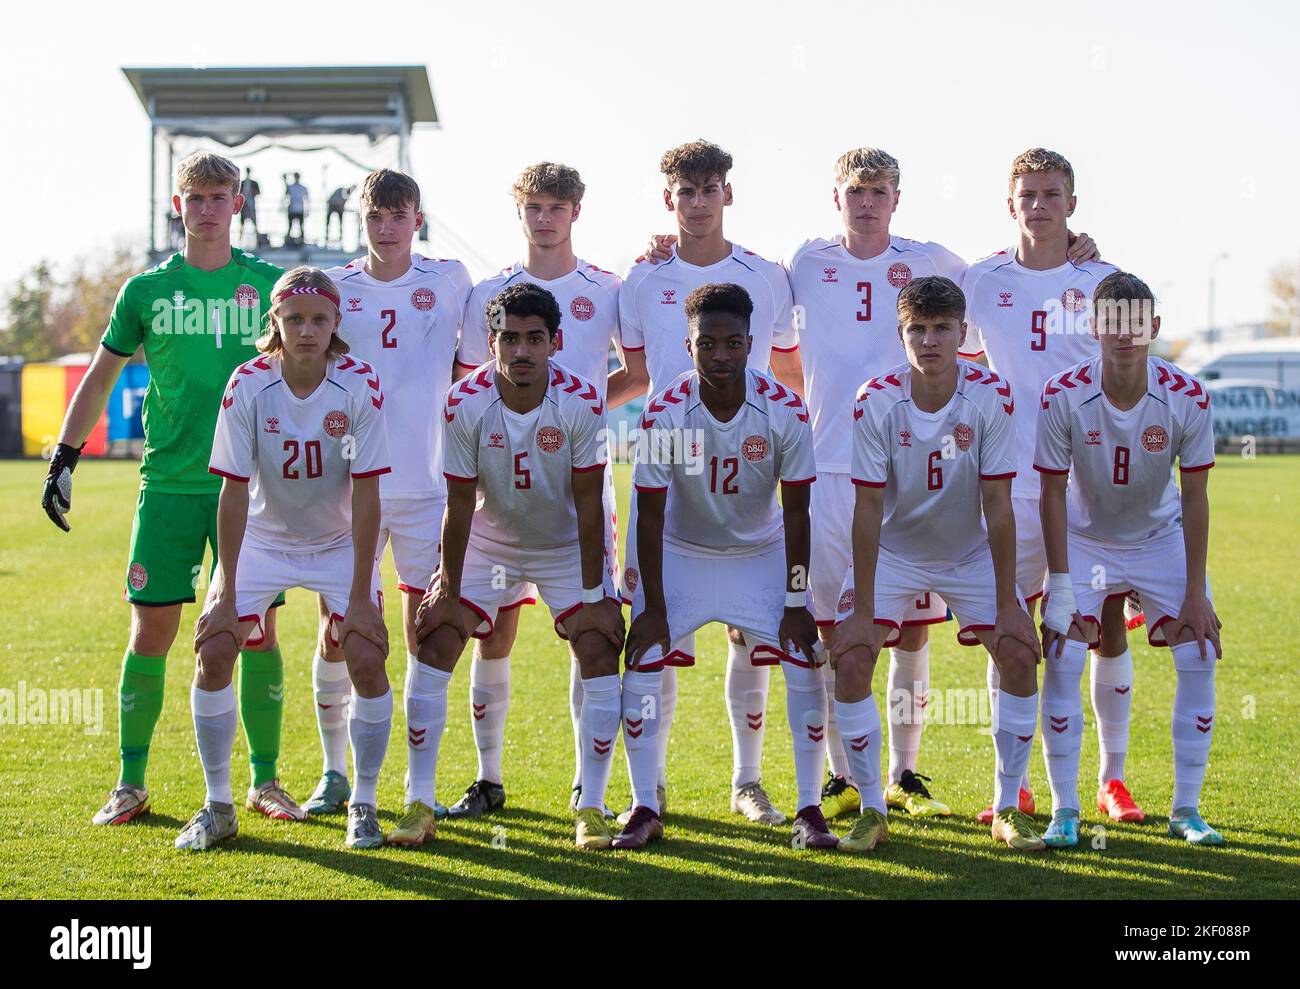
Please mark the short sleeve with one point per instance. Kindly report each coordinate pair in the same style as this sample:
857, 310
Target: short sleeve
870, 464
784, 335
949, 264
654, 456
473, 347
798, 462
459, 445
998, 444
1052, 453
973, 346
370, 433
1196, 451
589, 446
234, 445
125, 331
631, 335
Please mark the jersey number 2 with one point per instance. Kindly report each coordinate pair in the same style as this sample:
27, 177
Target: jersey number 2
388, 336
311, 451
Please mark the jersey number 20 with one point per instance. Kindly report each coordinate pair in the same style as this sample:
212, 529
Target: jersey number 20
311, 454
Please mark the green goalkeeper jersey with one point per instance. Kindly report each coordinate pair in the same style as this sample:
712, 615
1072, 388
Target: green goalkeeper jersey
196, 327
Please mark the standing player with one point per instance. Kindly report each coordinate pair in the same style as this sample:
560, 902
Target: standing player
300, 442
401, 315
197, 316
1118, 421
715, 547
524, 438
548, 201
933, 457
651, 312
1027, 309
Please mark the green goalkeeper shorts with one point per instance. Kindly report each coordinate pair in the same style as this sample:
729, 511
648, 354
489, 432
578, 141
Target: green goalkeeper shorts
168, 538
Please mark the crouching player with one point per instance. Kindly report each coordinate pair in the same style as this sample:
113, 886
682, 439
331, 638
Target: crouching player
933, 444
301, 443
526, 439
714, 546
1118, 422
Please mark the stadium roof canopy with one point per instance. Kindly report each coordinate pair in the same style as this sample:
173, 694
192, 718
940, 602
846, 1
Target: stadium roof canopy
232, 105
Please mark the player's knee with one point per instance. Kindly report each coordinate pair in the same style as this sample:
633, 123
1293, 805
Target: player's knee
1017, 667
853, 673
214, 663
366, 665
913, 637
441, 648
596, 656
153, 630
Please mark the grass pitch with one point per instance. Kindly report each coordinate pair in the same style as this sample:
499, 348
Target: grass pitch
65, 628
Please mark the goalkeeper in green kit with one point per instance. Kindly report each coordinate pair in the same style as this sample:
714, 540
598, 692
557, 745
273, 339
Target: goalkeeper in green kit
197, 316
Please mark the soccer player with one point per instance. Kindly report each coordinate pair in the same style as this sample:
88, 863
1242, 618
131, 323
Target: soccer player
300, 444
654, 334
197, 316
715, 546
1113, 425
933, 458
548, 201
524, 438
1027, 310
401, 315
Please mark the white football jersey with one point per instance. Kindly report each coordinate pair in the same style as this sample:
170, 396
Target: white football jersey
588, 298
721, 477
299, 455
1031, 324
653, 319
1122, 489
931, 463
848, 326
524, 464
407, 330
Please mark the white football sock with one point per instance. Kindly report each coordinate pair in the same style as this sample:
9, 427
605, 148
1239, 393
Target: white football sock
667, 708
575, 714
746, 688
805, 709
599, 718
1014, 720
909, 689
215, 720
1112, 700
333, 691
642, 723
1062, 723
993, 679
859, 723
489, 700
834, 743
1193, 721
426, 719
369, 726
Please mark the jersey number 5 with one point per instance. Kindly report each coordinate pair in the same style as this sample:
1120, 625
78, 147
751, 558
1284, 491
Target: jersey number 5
311, 451
523, 476
389, 336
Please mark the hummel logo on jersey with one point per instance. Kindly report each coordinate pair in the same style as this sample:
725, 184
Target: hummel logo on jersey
354, 305
1004, 300
904, 438
670, 297
496, 441
1094, 438
272, 424
830, 275
695, 448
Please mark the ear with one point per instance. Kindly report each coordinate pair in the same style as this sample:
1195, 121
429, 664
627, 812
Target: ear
896, 193
1070, 204
577, 208
961, 340
554, 342
419, 218
1155, 327
239, 202
668, 200
900, 336
835, 196
690, 350
749, 343
492, 345
727, 198
1011, 207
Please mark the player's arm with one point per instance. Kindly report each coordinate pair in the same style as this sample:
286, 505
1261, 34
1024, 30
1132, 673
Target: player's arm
860, 630
441, 606
220, 612
1080, 247
599, 613
1197, 613
362, 616
787, 367
1059, 612
1012, 620
87, 406
630, 381
797, 629
650, 628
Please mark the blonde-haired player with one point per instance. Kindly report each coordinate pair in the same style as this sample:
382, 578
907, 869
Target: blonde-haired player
300, 445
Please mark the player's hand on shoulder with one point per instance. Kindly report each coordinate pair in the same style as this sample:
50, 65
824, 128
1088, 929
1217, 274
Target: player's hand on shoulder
363, 617
219, 615
798, 634
56, 496
857, 631
1015, 622
660, 248
649, 629
603, 617
1082, 248
1197, 614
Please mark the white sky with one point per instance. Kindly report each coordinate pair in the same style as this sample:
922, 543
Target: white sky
1182, 120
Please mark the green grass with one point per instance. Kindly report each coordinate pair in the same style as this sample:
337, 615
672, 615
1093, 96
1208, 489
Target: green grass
65, 627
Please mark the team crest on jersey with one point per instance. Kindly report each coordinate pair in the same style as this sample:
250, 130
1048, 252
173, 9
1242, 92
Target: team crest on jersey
423, 299
336, 423
829, 275
582, 308
354, 304
754, 449
1004, 300
631, 578
963, 436
1094, 438
137, 576
670, 297
247, 297
272, 424
695, 448
1073, 300
904, 438
899, 274
496, 441
550, 439
1154, 439
846, 601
